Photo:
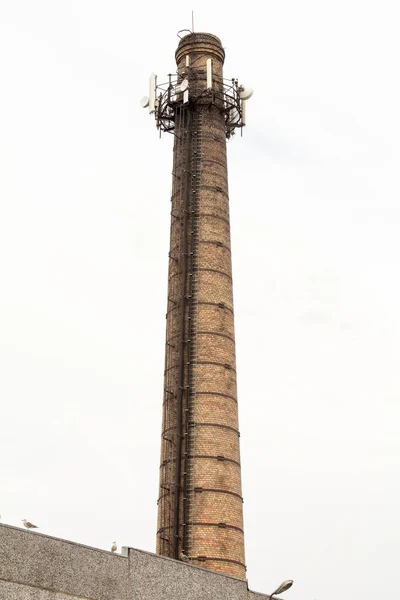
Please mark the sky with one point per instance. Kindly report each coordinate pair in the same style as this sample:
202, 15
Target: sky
315, 216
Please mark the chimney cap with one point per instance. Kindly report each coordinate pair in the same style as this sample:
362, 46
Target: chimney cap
206, 43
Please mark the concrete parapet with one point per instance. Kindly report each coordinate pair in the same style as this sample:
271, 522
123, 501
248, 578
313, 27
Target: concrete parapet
34, 566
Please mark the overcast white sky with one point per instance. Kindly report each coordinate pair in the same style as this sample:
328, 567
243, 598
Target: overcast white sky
84, 228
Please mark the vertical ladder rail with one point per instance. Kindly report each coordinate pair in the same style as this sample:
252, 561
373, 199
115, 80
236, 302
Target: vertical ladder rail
181, 374
189, 481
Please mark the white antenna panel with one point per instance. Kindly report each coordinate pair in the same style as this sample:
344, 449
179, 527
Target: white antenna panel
187, 60
152, 92
209, 73
243, 112
185, 96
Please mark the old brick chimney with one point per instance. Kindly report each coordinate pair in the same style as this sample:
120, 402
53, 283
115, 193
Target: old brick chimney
200, 516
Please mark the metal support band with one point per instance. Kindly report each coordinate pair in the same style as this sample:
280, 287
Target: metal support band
218, 364
200, 490
222, 525
220, 458
215, 558
217, 394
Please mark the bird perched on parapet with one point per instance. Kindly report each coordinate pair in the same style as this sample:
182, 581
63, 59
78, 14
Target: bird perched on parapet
183, 557
29, 525
114, 547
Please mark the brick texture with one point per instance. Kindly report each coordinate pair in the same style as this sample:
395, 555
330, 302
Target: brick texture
200, 498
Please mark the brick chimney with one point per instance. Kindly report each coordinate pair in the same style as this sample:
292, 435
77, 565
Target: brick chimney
200, 512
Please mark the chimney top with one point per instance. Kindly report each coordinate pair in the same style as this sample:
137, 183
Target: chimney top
204, 43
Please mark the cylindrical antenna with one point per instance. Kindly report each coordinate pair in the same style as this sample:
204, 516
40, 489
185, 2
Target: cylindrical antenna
243, 112
209, 73
152, 92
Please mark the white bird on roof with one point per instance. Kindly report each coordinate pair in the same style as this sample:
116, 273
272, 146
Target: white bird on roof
29, 525
114, 547
183, 557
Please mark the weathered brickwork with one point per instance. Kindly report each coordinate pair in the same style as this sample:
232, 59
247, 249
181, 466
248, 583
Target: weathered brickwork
200, 499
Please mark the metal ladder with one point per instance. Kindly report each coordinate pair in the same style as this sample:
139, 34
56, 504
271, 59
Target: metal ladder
190, 430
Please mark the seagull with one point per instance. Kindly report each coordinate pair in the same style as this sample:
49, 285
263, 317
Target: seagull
114, 547
29, 525
183, 557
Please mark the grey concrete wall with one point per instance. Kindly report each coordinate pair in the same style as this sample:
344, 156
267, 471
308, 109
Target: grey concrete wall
38, 567
42, 563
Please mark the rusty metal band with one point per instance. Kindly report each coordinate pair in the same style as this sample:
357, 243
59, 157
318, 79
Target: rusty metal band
225, 307
214, 216
217, 364
201, 490
217, 425
213, 394
214, 139
172, 309
216, 243
214, 188
166, 462
167, 439
216, 162
196, 424
171, 367
168, 429
212, 558
216, 271
219, 458
219, 305
203, 269
206, 456
166, 495
175, 274
169, 399
220, 525
162, 529
225, 335
169, 340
